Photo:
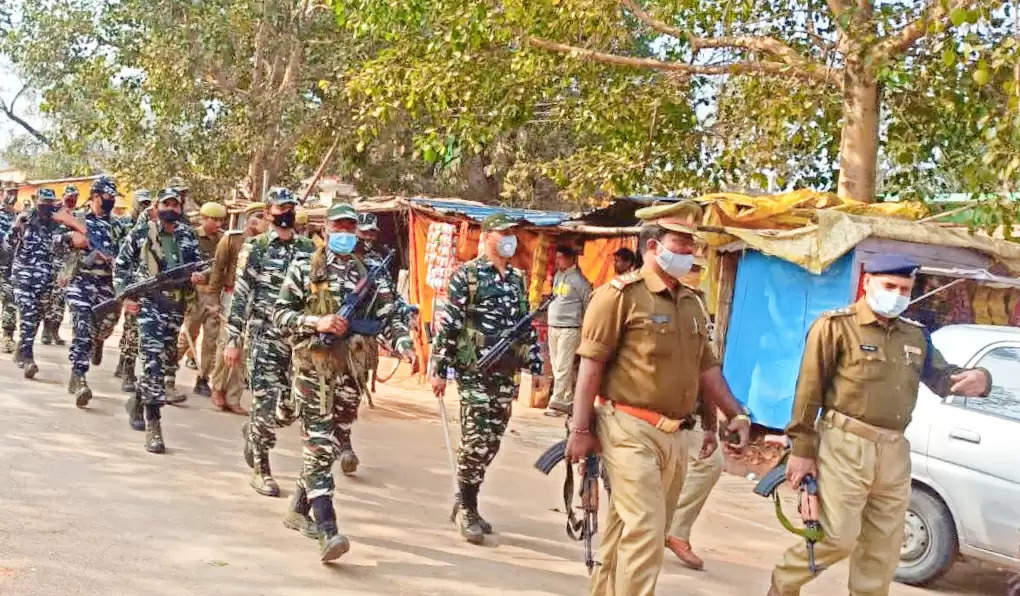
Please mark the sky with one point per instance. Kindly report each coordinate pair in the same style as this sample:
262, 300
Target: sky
10, 84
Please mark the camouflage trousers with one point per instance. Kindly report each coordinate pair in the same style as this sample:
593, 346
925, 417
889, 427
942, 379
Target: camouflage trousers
129, 340
327, 408
32, 293
272, 405
82, 293
54, 315
9, 309
484, 414
158, 325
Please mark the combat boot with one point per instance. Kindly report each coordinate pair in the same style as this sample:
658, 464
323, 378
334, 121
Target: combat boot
467, 514
8, 347
55, 333
47, 335
31, 368
73, 383
154, 437
83, 394
249, 453
134, 412
298, 518
119, 372
19, 358
332, 544
486, 526
349, 461
190, 363
202, 387
97, 352
262, 478
172, 396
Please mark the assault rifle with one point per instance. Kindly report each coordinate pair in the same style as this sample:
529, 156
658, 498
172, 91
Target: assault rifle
812, 531
361, 294
585, 528
172, 278
97, 252
510, 336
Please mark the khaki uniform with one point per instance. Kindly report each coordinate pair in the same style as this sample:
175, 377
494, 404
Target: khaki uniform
863, 376
203, 315
224, 378
701, 477
654, 343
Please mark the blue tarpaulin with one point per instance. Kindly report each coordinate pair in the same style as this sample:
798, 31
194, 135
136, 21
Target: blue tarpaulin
774, 304
480, 212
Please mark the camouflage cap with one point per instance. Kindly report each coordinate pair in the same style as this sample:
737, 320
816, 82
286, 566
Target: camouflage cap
279, 195
498, 222
179, 184
682, 216
70, 190
368, 221
103, 185
341, 211
45, 194
143, 195
169, 193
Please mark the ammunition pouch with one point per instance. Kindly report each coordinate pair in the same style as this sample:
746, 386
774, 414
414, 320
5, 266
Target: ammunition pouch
472, 343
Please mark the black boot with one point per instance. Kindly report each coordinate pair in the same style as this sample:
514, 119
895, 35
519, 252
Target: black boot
486, 526
134, 411
83, 394
172, 395
119, 372
249, 453
153, 430
332, 544
467, 514
202, 387
55, 334
47, 335
129, 383
298, 518
31, 368
262, 478
349, 461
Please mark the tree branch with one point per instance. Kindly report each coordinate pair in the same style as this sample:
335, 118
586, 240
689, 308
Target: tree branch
9, 112
899, 42
829, 76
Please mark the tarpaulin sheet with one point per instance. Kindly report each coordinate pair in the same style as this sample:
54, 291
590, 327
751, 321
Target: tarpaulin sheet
596, 262
774, 304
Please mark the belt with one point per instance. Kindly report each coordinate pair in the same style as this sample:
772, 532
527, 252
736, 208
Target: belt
861, 429
656, 419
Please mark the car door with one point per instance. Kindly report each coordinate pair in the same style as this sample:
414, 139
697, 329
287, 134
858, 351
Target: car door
973, 451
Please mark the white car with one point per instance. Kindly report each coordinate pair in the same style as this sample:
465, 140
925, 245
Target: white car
965, 456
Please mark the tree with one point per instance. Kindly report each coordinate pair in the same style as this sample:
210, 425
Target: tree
40, 162
717, 93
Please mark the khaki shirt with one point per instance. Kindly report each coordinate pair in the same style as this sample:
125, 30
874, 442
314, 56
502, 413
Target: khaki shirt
653, 340
208, 245
862, 368
225, 261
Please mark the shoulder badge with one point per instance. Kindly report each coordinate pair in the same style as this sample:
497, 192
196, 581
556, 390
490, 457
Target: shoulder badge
622, 281
839, 312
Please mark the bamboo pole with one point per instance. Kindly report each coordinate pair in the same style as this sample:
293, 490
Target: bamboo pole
322, 167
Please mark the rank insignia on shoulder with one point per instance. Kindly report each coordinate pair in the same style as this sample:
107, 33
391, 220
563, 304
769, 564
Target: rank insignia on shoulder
869, 348
621, 281
839, 312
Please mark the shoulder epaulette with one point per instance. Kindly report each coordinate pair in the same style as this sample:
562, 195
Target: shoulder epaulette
233, 232
913, 322
838, 312
622, 281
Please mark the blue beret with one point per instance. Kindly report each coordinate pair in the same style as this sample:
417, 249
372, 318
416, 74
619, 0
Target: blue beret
891, 265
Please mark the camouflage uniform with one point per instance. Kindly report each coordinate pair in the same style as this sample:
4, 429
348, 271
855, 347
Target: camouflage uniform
54, 314
129, 329
8, 307
148, 250
329, 379
481, 305
261, 267
32, 275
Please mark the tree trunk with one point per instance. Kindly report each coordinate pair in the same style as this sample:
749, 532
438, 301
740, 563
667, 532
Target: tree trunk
858, 153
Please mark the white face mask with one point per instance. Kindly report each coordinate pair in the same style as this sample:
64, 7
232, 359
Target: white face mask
507, 246
674, 264
886, 304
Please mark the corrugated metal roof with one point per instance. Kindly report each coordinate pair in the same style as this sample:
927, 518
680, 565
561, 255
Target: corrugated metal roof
479, 212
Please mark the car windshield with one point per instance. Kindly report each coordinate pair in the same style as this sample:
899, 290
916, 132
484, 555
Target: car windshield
1004, 399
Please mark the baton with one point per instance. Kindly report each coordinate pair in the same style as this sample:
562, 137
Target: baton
449, 456
191, 344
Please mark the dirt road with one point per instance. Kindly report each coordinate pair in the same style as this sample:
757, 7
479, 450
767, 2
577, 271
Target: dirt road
85, 510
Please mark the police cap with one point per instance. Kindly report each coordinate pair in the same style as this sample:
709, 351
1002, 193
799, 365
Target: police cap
891, 265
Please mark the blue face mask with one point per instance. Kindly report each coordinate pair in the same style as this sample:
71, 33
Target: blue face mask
342, 243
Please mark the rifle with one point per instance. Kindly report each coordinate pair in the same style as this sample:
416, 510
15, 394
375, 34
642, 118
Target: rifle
812, 531
583, 529
170, 279
510, 336
362, 292
97, 252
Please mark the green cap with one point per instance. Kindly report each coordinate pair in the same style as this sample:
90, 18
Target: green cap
143, 195
341, 211
498, 222
169, 193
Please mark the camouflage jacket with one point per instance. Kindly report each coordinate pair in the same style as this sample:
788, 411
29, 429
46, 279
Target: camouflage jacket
261, 267
6, 222
498, 303
106, 227
132, 261
31, 244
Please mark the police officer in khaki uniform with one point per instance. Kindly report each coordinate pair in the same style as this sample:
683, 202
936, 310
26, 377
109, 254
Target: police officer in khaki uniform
645, 352
204, 314
861, 370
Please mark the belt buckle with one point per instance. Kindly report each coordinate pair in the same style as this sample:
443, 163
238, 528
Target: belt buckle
667, 424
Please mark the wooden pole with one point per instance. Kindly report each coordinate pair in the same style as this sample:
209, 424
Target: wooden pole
322, 167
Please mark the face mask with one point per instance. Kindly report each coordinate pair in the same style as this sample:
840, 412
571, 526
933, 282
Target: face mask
887, 304
47, 210
284, 220
342, 243
169, 216
674, 264
507, 246
108, 205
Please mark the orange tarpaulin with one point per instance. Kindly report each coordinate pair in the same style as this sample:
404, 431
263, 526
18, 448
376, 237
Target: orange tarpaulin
597, 260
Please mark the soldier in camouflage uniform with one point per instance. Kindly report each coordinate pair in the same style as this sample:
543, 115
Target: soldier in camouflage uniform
31, 241
8, 307
260, 269
88, 274
486, 296
152, 247
129, 332
54, 316
329, 375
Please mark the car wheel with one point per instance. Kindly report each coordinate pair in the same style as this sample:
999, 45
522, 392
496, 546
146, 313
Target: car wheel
929, 540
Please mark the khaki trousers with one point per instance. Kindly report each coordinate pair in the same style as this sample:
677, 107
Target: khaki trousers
864, 489
702, 474
224, 378
646, 471
563, 344
201, 317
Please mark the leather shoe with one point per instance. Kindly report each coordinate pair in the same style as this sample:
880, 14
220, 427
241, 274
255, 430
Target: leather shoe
236, 409
682, 549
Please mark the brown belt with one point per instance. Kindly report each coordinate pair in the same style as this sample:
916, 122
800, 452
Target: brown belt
861, 429
663, 423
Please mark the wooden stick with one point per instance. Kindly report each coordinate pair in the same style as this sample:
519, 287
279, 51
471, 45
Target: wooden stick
322, 166
946, 213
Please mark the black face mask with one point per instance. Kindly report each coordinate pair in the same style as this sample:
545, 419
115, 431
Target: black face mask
108, 205
47, 210
169, 216
284, 220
